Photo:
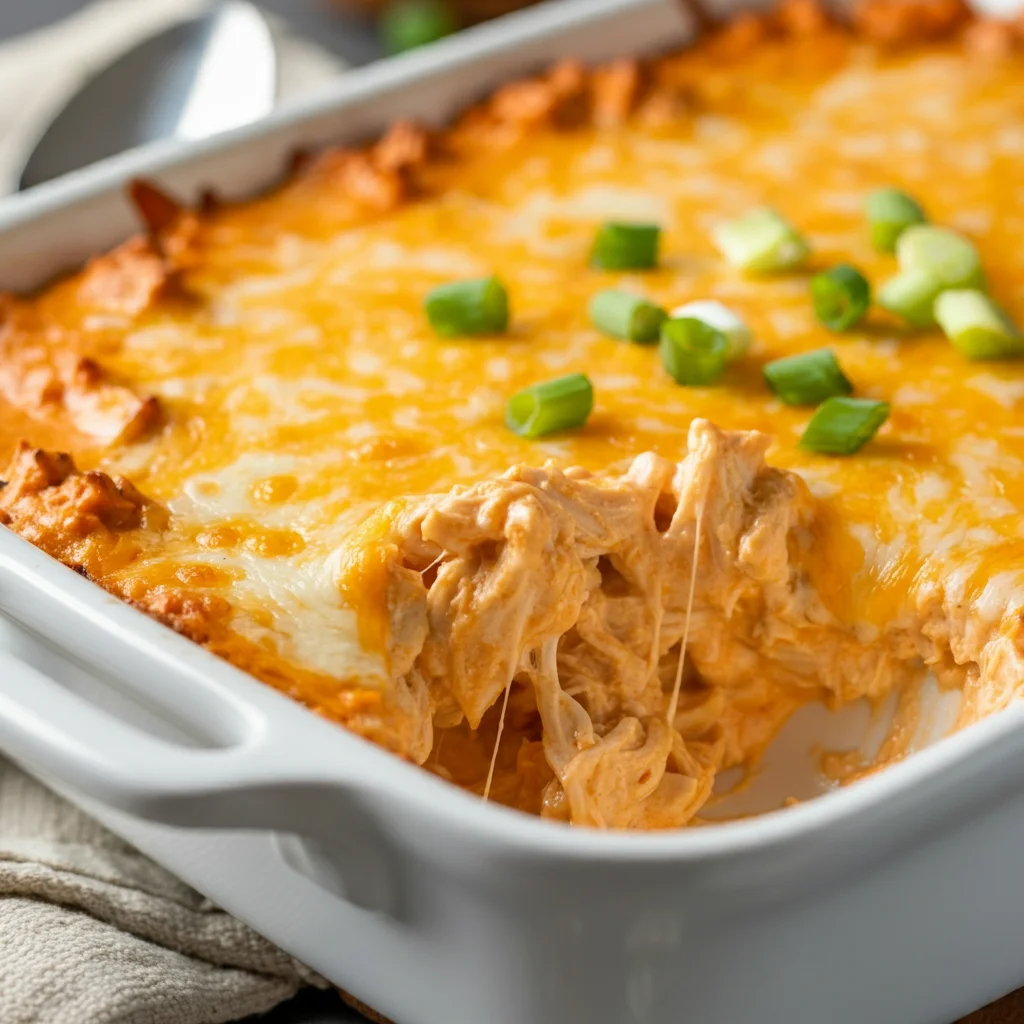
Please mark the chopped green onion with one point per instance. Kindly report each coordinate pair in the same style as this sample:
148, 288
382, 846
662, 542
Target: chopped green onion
950, 258
842, 426
723, 319
911, 295
693, 352
761, 242
560, 404
807, 378
890, 212
465, 308
627, 316
619, 246
407, 24
841, 296
977, 326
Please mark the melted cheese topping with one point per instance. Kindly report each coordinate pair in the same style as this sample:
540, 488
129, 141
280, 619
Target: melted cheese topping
303, 388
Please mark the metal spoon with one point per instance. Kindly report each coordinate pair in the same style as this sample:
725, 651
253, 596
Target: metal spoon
204, 75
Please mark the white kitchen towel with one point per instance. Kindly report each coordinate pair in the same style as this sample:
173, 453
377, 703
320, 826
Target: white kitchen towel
92, 932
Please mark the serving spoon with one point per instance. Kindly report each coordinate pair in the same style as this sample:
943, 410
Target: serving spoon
200, 76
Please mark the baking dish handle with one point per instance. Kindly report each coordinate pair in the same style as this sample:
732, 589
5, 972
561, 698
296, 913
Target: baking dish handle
76, 744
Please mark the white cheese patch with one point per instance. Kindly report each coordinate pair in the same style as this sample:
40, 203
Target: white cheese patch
311, 624
480, 405
856, 147
846, 88
556, 360
883, 555
293, 251
788, 324
227, 492
978, 458
958, 574
842, 202
983, 536
297, 400
1006, 392
973, 160
596, 159
435, 259
154, 342
713, 129
911, 140
194, 388
821, 485
650, 425
615, 381
499, 368
313, 627
939, 539
105, 322
256, 286
931, 487
775, 159
1009, 139
360, 432
911, 394
365, 362
407, 418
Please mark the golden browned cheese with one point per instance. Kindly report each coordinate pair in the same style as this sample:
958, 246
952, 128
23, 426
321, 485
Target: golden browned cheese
265, 376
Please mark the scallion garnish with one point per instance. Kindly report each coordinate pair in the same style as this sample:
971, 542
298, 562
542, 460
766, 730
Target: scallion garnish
890, 212
560, 404
723, 319
466, 308
807, 378
621, 246
693, 352
841, 296
407, 24
977, 327
761, 242
842, 426
950, 258
911, 295
627, 316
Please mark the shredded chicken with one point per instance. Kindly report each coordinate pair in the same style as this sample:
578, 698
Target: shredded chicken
575, 587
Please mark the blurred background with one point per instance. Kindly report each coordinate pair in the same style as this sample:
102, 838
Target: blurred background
347, 27
123, 72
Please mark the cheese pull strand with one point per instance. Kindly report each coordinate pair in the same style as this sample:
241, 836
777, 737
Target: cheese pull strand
497, 743
673, 704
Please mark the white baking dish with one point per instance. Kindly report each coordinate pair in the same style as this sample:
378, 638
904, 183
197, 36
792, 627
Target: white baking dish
895, 900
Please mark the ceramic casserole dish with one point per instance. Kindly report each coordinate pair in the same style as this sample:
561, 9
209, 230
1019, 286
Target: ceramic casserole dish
891, 899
